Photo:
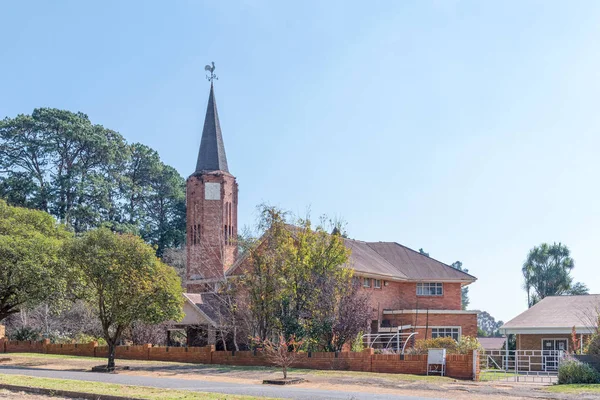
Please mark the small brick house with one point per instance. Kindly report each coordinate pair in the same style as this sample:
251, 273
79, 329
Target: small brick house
408, 289
549, 324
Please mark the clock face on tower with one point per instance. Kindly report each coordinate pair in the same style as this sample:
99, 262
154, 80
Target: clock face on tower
212, 191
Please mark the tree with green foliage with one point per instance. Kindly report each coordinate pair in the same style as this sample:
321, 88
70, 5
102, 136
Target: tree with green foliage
32, 270
465, 289
121, 279
87, 176
164, 224
487, 325
547, 272
298, 286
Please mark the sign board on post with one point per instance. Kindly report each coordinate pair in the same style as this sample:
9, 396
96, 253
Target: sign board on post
436, 361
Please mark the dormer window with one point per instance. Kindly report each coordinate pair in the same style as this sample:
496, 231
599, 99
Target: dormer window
430, 289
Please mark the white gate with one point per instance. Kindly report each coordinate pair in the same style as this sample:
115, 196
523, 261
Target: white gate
539, 366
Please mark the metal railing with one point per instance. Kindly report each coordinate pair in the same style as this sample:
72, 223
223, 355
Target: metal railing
393, 342
521, 365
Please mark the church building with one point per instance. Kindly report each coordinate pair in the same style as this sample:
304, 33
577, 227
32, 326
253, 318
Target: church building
409, 290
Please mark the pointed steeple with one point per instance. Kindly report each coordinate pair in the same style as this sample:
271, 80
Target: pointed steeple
211, 156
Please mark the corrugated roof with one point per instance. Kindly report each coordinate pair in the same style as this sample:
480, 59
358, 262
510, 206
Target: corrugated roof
558, 312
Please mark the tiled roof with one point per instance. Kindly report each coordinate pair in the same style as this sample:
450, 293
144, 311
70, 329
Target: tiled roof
400, 262
208, 303
211, 156
558, 312
392, 260
491, 343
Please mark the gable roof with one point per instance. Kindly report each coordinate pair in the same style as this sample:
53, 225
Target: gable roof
207, 305
211, 156
389, 260
416, 266
558, 314
363, 258
491, 343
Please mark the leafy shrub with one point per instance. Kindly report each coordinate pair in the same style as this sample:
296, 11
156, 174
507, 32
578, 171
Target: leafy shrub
593, 345
422, 345
58, 337
357, 343
85, 338
466, 344
574, 371
463, 346
25, 333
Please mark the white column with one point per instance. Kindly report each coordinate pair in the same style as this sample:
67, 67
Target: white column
506, 353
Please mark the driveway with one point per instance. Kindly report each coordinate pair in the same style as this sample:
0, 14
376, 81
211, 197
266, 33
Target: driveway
289, 392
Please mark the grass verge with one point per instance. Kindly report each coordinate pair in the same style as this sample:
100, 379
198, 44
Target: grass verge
574, 388
138, 392
203, 368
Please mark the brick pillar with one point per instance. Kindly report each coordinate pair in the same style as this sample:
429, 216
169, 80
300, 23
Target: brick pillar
367, 360
45, 344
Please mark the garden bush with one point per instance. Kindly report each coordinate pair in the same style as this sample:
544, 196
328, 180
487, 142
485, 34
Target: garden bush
25, 333
574, 371
593, 346
463, 346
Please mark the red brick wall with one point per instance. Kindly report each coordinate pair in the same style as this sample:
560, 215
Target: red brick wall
403, 296
24, 346
534, 342
209, 256
85, 350
458, 366
392, 363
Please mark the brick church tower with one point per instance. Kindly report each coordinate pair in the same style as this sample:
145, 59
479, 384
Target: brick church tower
212, 199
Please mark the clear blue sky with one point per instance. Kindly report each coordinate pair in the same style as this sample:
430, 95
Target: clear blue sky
468, 128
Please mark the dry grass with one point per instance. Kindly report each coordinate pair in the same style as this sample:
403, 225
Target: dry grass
138, 392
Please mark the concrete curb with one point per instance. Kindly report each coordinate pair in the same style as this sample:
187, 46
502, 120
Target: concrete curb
63, 393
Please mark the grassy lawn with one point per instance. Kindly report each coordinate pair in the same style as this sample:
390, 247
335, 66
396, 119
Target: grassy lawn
575, 388
42, 355
373, 375
495, 375
138, 392
267, 370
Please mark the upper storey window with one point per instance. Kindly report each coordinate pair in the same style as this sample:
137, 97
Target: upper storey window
430, 289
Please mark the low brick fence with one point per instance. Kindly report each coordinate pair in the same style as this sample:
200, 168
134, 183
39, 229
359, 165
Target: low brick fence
458, 366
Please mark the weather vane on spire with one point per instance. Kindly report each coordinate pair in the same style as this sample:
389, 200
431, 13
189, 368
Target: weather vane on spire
212, 75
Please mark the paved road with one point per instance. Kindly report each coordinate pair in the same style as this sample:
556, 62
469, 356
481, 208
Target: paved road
290, 392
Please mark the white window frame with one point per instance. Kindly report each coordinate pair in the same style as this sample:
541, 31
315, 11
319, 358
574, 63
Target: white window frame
430, 289
554, 340
366, 282
377, 283
457, 328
